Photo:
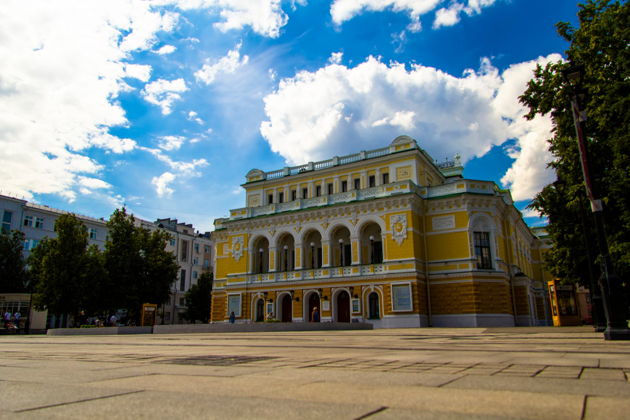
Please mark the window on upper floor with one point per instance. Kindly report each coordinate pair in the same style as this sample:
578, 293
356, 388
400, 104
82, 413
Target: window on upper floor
280, 197
39, 223
385, 178
206, 249
482, 250
305, 192
196, 248
270, 199
293, 195
330, 188
172, 242
372, 181
6, 221
318, 190
184, 251
206, 263
28, 221
357, 183
182, 280
344, 186
195, 261
92, 233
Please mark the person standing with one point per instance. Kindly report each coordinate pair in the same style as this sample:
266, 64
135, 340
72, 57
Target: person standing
232, 317
7, 319
16, 316
315, 315
112, 320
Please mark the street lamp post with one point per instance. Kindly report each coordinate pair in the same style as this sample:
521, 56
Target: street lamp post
609, 281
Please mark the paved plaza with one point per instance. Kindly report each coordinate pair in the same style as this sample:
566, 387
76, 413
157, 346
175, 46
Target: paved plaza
475, 373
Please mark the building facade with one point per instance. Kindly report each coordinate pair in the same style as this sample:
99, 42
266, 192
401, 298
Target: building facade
193, 250
385, 236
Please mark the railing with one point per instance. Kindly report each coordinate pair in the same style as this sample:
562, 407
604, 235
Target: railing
386, 190
318, 273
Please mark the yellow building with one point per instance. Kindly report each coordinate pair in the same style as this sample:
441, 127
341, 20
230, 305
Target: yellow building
385, 236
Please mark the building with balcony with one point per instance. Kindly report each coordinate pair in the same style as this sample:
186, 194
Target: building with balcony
385, 236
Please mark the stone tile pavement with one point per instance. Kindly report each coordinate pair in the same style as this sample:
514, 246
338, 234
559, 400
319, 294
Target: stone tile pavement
521, 373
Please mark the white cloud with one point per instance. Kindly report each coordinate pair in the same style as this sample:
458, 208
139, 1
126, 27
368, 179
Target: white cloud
451, 15
344, 10
227, 64
335, 58
367, 106
265, 17
161, 184
166, 49
169, 143
164, 92
193, 116
63, 66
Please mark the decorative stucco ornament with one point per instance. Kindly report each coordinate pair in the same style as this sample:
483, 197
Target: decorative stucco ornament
399, 227
237, 247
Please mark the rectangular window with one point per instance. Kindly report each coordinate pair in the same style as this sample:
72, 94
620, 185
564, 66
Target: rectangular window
401, 297
206, 249
172, 242
39, 223
206, 263
330, 188
92, 233
182, 280
29, 244
28, 221
293, 195
482, 250
357, 183
344, 186
184, 251
281, 197
386, 178
182, 301
270, 199
6, 221
318, 190
234, 305
194, 274
195, 261
304, 192
196, 248
372, 181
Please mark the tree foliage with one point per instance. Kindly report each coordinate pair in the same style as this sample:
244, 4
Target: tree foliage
601, 46
198, 299
139, 269
65, 269
13, 275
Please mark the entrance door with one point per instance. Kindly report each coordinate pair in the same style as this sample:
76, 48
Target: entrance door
287, 309
343, 307
260, 310
313, 301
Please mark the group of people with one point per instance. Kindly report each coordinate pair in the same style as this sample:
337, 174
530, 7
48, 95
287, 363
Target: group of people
12, 321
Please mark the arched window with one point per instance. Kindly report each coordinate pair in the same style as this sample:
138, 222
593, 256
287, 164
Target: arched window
312, 247
341, 247
373, 306
260, 260
285, 253
371, 244
481, 229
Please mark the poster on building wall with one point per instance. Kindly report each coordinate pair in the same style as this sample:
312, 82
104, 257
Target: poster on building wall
356, 306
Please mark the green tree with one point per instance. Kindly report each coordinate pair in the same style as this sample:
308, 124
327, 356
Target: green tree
13, 275
139, 268
198, 299
65, 270
600, 45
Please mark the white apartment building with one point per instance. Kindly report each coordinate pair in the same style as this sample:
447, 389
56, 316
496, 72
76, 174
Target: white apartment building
193, 250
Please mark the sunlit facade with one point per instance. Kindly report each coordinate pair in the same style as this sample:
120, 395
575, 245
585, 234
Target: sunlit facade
385, 236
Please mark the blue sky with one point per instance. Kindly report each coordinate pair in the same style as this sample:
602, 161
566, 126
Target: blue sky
165, 105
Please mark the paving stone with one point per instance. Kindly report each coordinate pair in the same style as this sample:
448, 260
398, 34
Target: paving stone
606, 408
603, 374
566, 372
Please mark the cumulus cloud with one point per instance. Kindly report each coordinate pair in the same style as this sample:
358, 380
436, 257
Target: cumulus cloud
227, 64
449, 16
365, 107
161, 184
164, 93
171, 142
344, 10
166, 49
63, 66
265, 17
